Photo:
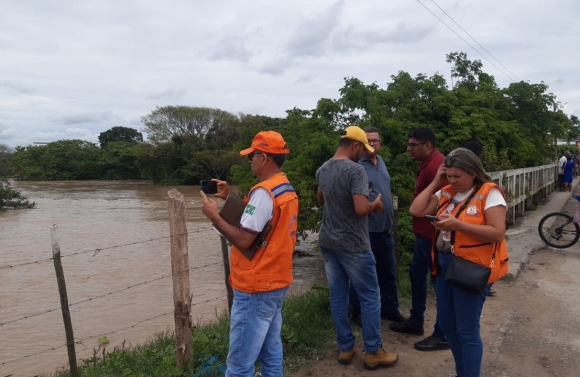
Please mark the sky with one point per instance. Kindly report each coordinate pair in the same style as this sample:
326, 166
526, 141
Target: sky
73, 69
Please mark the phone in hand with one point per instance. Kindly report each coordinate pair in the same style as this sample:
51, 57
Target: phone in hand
208, 186
432, 218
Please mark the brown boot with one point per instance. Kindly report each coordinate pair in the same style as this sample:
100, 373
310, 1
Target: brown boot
381, 358
344, 357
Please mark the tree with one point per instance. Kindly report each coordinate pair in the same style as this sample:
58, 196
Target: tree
166, 123
60, 160
5, 154
126, 134
10, 198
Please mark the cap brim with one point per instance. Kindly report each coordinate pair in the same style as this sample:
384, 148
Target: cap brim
247, 151
369, 148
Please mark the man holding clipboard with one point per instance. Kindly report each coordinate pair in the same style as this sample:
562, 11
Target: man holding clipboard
261, 270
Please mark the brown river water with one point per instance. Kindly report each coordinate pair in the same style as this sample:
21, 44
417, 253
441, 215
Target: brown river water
93, 215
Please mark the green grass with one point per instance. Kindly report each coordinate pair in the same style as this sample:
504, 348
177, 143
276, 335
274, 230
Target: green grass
307, 332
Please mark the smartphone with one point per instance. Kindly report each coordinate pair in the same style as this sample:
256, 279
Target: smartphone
432, 218
208, 186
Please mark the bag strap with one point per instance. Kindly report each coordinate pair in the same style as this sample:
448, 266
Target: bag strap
463, 206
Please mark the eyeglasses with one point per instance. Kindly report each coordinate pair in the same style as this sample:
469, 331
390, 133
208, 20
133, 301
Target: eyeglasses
251, 155
413, 145
374, 141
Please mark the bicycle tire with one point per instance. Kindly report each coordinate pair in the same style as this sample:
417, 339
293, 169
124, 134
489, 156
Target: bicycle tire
561, 233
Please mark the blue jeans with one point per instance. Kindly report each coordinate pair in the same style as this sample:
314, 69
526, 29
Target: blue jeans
420, 268
358, 268
458, 313
255, 325
383, 247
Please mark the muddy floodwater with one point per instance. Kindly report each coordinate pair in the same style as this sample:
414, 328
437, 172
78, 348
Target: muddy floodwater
113, 236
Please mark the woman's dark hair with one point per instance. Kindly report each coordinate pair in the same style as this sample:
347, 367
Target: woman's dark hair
467, 161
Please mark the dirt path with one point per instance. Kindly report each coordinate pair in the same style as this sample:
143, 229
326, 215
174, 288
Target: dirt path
530, 328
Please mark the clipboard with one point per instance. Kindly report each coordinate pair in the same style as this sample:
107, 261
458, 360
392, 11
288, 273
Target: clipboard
232, 212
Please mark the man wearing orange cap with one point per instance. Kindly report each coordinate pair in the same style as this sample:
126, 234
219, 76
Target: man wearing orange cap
345, 245
260, 283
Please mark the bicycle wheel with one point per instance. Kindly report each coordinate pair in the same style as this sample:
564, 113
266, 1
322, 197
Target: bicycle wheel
557, 230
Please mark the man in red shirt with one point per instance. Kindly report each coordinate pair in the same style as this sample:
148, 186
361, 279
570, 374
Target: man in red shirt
422, 147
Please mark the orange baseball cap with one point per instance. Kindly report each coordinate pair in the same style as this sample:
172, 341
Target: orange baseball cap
268, 142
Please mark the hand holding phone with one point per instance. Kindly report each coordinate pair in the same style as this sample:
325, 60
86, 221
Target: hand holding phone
208, 186
432, 218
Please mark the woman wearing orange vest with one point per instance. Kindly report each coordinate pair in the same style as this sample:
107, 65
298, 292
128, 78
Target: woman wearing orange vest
475, 232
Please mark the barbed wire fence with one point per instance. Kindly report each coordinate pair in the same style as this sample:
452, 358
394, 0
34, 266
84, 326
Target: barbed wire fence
180, 276
400, 246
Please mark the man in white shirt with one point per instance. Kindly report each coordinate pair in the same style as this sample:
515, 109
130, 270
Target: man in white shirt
561, 165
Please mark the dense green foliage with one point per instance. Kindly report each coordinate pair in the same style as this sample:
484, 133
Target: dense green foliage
76, 159
124, 134
518, 125
12, 199
302, 341
5, 155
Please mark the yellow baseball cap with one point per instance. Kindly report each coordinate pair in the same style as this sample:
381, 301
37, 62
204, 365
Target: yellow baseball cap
357, 134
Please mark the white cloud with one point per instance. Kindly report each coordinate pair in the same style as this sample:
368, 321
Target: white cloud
169, 94
7, 133
81, 118
95, 65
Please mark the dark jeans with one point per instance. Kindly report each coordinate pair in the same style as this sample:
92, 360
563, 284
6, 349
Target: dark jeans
561, 182
419, 270
459, 313
383, 248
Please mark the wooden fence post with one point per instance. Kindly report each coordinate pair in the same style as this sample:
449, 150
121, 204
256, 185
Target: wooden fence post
70, 339
226, 259
180, 272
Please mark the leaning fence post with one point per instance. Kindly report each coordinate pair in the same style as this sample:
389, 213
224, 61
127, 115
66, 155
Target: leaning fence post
225, 257
395, 230
70, 339
180, 272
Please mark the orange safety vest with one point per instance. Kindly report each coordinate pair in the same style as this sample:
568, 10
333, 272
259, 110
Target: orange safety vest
271, 266
469, 247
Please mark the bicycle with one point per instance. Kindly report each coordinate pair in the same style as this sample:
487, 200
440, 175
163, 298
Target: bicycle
558, 229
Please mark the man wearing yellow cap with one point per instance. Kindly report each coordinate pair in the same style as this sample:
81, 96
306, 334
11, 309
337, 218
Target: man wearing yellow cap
260, 283
344, 242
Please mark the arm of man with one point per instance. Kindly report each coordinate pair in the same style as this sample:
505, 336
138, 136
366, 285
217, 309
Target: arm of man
258, 212
363, 207
235, 235
320, 196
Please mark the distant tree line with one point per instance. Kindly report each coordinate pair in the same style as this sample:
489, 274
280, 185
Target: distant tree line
518, 126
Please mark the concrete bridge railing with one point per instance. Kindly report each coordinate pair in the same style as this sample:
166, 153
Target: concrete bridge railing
525, 188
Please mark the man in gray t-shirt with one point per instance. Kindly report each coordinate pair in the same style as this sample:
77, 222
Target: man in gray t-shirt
342, 228
344, 243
